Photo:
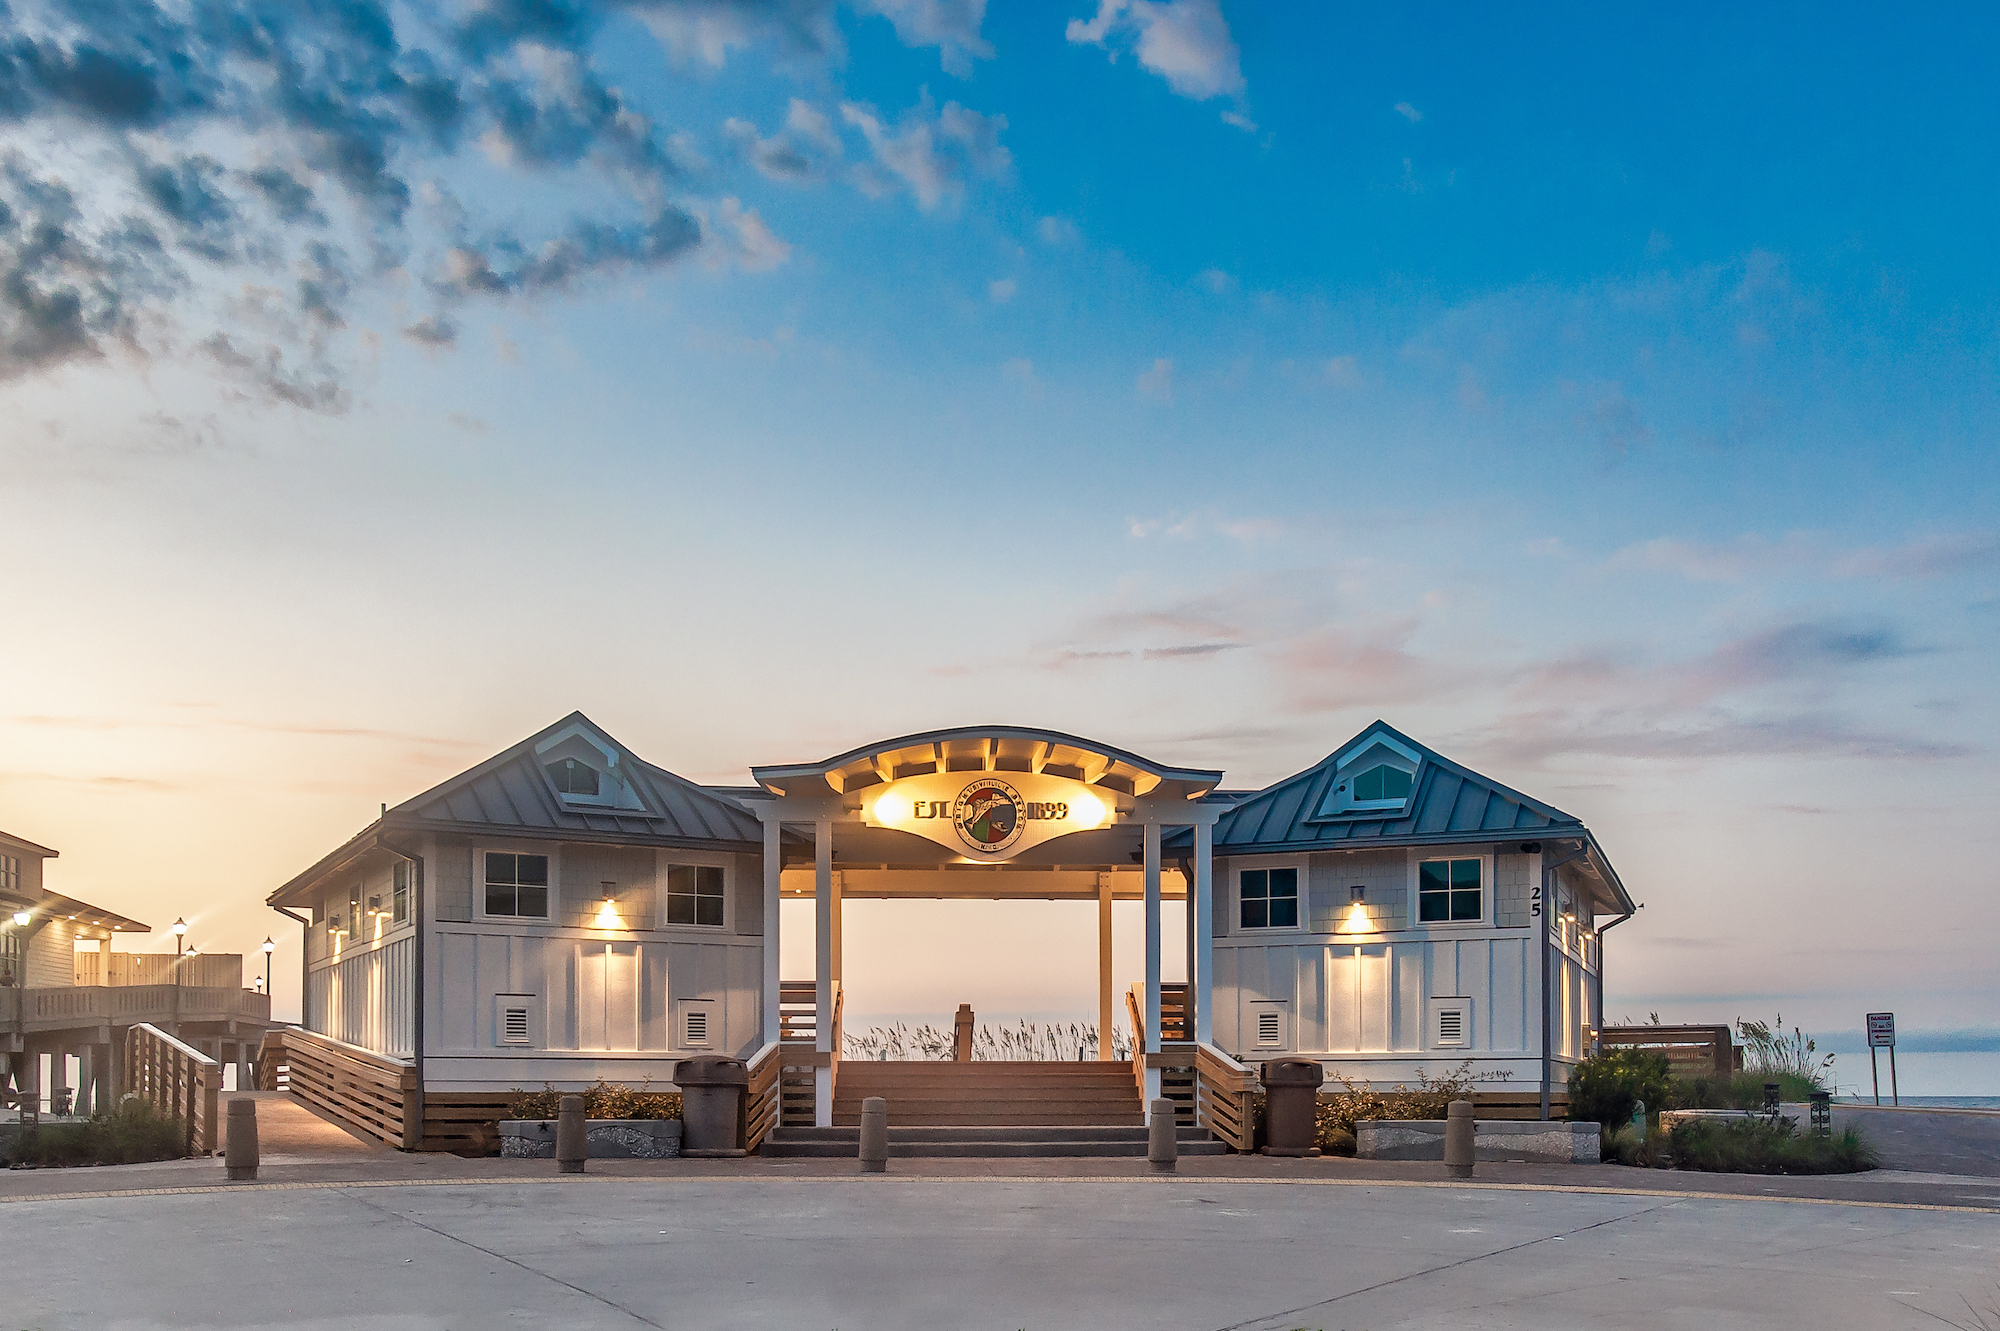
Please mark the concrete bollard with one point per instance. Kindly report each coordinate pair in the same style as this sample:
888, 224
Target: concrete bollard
572, 1139
239, 1151
1458, 1139
875, 1135
1163, 1144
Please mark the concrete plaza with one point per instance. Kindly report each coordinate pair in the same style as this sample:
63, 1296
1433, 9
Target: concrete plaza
715, 1251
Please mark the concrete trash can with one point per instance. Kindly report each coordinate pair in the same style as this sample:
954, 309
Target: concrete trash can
1291, 1109
712, 1091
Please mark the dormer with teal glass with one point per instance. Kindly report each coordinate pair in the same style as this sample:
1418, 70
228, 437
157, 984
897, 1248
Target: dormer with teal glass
1374, 778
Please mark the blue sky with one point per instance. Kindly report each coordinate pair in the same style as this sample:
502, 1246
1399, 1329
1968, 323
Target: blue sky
1606, 400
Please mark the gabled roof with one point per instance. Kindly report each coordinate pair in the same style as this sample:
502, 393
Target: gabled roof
989, 749
510, 792
12, 842
1447, 803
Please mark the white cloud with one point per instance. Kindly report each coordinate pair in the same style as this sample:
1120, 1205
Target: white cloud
737, 234
1216, 280
1158, 382
1408, 112
1001, 290
1021, 371
1185, 42
1344, 372
798, 152
950, 25
1058, 232
933, 157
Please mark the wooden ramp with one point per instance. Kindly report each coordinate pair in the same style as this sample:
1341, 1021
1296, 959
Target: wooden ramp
1023, 1095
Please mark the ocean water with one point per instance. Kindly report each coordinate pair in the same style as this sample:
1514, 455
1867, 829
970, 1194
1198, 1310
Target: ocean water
1931, 1101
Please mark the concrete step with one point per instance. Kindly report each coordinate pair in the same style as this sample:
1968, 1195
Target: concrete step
1099, 1141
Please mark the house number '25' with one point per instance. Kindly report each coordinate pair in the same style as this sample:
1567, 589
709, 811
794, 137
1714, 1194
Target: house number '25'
1535, 908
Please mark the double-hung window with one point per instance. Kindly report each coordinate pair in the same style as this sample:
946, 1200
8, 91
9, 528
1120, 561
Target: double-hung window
1268, 898
694, 894
1448, 891
517, 885
399, 893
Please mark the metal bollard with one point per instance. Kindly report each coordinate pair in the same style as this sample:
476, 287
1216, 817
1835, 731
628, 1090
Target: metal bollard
572, 1139
1163, 1144
875, 1135
240, 1151
1458, 1139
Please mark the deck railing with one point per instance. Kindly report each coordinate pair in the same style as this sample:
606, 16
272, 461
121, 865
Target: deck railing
1223, 1091
763, 1103
357, 1086
177, 1080
799, 1055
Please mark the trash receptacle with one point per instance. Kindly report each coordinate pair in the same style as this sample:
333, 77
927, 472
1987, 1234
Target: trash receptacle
1291, 1108
712, 1091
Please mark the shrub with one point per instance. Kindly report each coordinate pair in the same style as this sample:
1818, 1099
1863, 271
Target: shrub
1338, 1112
599, 1101
1607, 1087
1742, 1090
1761, 1146
131, 1134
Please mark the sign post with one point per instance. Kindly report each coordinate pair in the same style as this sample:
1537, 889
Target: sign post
1882, 1035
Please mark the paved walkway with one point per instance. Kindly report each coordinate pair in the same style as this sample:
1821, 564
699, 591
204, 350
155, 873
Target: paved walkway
686, 1248
1944, 1141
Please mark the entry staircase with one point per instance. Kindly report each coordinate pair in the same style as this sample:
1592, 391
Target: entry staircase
989, 1110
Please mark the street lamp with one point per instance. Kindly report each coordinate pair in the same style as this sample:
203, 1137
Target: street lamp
180, 936
269, 948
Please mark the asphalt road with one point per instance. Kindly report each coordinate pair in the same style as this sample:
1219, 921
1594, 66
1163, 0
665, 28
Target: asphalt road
884, 1253
1928, 1141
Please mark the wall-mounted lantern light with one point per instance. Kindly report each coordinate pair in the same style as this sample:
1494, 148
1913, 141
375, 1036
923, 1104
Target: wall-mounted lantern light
607, 909
1357, 921
21, 919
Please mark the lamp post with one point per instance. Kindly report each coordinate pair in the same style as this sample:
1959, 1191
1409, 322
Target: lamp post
269, 948
180, 936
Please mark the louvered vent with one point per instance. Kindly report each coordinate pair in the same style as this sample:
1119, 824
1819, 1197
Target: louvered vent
1269, 1033
697, 1026
514, 1025
1451, 1026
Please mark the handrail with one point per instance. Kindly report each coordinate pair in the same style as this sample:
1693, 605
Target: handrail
760, 1101
1223, 1089
1132, 1002
176, 1079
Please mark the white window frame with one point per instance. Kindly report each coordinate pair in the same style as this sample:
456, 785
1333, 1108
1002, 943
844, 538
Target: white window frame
621, 795
552, 850
1238, 867
1334, 805
699, 859
1418, 856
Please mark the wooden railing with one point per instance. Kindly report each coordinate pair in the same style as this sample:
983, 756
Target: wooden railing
1691, 1051
56, 1008
177, 1080
762, 1103
799, 1056
357, 1086
1175, 1059
203, 970
1223, 1090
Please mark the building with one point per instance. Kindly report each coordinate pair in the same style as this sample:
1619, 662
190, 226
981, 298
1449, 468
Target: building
66, 997
567, 911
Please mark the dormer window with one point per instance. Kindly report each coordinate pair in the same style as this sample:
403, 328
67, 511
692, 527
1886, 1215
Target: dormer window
572, 777
1382, 782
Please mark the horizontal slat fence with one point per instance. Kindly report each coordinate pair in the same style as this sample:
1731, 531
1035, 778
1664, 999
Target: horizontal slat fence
357, 1086
1691, 1051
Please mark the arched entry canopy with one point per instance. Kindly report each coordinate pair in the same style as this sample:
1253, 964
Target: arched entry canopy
989, 812
933, 815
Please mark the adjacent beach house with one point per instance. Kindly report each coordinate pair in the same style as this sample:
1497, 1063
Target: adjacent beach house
567, 911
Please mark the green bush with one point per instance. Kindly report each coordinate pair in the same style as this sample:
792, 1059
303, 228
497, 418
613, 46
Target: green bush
1760, 1146
1742, 1090
1338, 1112
129, 1135
600, 1101
1606, 1088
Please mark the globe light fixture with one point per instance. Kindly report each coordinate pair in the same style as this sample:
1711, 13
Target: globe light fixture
180, 936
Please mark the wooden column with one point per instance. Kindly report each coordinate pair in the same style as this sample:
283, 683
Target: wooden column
773, 866
1149, 1040
1106, 1013
823, 968
1201, 900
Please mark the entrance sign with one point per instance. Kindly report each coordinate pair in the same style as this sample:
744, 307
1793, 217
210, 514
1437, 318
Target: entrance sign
989, 816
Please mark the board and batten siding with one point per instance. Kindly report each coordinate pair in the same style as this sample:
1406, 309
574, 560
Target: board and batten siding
364, 997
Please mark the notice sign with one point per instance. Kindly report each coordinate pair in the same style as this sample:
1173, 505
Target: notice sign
1881, 1030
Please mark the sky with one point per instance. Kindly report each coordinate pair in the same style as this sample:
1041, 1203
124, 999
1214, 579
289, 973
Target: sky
1606, 400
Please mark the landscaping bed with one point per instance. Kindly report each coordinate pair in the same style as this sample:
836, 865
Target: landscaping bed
132, 1134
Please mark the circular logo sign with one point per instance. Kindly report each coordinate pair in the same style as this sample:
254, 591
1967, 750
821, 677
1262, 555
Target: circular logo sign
989, 816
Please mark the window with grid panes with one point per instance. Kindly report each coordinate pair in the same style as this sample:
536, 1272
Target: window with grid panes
1268, 898
517, 885
1448, 891
694, 894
